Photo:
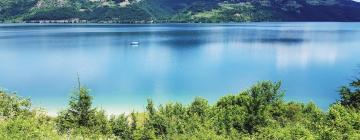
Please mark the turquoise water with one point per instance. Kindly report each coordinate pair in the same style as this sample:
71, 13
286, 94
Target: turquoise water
176, 62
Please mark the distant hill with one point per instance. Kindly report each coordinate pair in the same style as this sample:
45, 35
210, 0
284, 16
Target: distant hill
131, 11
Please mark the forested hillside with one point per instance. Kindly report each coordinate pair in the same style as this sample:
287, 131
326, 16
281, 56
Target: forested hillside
127, 11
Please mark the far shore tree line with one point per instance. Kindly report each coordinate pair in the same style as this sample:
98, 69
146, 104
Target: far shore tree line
259, 112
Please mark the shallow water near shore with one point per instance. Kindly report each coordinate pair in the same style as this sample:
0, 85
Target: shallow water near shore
176, 62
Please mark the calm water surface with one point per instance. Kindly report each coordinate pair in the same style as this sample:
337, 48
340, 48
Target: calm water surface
176, 62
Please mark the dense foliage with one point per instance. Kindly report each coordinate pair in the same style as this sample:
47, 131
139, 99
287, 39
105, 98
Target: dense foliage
256, 113
350, 96
19, 121
134, 11
13, 8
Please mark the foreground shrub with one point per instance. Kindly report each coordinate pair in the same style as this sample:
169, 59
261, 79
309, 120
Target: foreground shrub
350, 95
256, 113
18, 121
80, 119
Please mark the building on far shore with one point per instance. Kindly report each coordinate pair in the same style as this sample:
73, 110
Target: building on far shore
75, 20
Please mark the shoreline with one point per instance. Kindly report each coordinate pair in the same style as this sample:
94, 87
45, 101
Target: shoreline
153, 22
169, 23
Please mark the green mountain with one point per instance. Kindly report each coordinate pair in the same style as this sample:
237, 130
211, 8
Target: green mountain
129, 11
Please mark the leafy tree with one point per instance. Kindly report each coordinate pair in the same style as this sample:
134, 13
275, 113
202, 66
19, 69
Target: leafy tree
36, 126
19, 121
99, 123
289, 132
150, 108
155, 124
175, 116
262, 96
249, 110
256, 113
350, 95
79, 112
120, 126
12, 105
342, 123
199, 107
134, 122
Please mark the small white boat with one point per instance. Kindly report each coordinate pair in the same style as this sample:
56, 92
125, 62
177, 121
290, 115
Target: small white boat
135, 43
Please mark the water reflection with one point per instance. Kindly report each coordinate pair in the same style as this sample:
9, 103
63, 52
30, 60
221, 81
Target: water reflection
303, 56
176, 62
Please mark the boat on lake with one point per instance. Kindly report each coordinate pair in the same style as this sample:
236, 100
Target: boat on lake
135, 43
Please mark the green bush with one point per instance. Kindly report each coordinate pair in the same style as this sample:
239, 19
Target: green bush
350, 95
256, 113
18, 121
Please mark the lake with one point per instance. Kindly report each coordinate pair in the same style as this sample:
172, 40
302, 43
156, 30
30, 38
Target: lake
176, 62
